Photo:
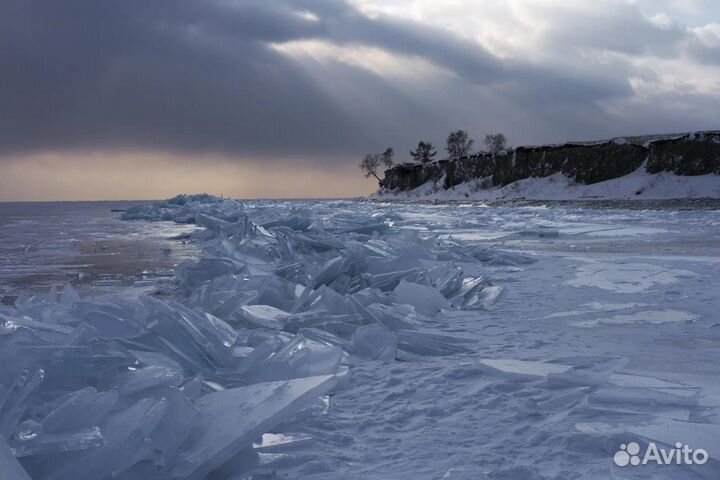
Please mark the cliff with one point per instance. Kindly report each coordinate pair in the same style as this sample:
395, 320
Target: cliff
587, 163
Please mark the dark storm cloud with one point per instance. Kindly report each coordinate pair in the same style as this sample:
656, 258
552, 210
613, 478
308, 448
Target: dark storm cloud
166, 74
202, 76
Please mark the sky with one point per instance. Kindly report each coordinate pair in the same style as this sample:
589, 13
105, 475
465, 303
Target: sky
145, 99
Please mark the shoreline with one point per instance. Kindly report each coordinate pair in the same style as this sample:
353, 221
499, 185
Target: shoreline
708, 203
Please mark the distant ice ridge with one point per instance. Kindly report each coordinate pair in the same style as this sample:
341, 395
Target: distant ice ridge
265, 326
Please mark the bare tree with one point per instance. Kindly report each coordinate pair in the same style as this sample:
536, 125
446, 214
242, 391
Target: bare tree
424, 152
373, 161
459, 144
370, 165
496, 143
387, 157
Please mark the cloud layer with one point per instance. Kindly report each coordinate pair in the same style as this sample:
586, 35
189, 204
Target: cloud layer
322, 81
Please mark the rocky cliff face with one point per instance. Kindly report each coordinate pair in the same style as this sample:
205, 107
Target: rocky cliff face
586, 163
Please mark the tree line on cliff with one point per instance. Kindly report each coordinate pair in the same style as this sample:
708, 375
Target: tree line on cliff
458, 145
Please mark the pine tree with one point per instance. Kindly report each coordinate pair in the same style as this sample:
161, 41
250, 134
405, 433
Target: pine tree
424, 152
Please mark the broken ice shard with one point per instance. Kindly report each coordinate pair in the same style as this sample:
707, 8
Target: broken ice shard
9, 466
35, 443
523, 368
426, 300
236, 417
14, 401
374, 342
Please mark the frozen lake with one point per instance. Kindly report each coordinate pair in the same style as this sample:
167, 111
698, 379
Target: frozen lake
86, 244
594, 327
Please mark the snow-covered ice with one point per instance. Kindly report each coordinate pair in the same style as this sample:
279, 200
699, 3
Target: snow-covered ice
378, 340
626, 277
